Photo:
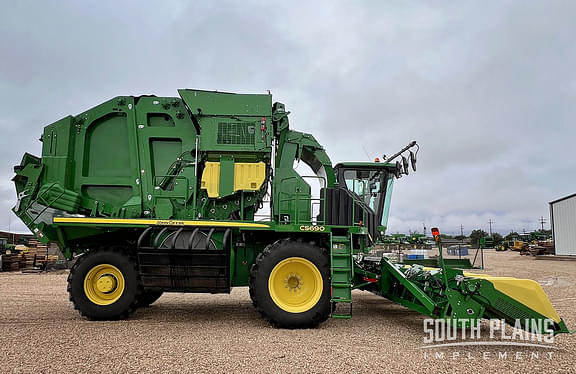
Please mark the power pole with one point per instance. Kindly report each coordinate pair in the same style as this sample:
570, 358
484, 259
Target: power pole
490, 222
461, 230
424, 226
542, 222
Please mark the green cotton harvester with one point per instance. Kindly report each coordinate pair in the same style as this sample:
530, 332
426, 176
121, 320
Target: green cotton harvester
160, 194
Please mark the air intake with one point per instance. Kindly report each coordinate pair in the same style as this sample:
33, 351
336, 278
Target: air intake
236, 133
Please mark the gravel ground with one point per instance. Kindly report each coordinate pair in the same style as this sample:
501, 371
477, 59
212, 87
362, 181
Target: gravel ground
40, 332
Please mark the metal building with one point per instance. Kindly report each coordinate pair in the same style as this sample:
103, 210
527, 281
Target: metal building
563, 219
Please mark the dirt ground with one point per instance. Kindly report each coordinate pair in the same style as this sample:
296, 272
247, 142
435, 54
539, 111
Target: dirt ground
40, 332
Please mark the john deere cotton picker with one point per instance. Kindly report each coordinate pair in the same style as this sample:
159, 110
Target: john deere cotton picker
159, 194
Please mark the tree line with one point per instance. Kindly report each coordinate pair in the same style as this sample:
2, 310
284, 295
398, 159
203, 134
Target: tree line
497, 238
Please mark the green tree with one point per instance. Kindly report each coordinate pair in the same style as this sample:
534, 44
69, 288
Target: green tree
497, 238
476, 235
513, 235
542, 234
460, 237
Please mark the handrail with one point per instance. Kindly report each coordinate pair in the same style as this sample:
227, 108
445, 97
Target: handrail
48, 205
298, 199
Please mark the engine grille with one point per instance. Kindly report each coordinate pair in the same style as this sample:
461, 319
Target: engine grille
236, 133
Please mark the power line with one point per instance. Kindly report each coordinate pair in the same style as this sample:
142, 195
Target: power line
542, 222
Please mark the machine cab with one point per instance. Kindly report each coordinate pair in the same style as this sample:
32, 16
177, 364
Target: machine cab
371, 183
361, 196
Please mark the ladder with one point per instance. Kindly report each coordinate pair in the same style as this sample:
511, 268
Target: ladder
341, 272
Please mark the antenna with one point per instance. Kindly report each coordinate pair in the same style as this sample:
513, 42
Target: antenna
365, 151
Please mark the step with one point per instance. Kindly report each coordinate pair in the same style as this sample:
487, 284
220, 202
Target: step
342, 253
341, 293
341, 276
345, 311
340, 239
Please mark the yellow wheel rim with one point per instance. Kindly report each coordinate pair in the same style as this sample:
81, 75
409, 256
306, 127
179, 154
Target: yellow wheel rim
104, 284
295, 285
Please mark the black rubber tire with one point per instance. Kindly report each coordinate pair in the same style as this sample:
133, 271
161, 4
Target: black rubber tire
148, 297
260, 295
127, 302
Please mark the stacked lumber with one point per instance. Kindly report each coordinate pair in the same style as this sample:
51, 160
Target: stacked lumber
26, 260
36, 257
11, 262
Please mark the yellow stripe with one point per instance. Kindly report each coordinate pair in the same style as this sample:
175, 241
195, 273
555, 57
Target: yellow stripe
116, 221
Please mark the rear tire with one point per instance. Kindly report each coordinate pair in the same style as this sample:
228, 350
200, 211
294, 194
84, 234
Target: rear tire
104, 284
290, 284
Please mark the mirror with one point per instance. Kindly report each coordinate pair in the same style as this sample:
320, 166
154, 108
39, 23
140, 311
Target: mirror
405, 165
398, 170
413, 160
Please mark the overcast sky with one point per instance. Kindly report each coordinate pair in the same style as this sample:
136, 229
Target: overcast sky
487, 88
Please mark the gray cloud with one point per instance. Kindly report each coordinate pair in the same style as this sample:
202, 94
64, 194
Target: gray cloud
487, 88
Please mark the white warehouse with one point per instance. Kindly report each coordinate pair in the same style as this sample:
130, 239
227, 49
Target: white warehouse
563, 222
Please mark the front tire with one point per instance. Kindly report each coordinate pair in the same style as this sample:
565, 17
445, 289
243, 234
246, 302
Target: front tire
104, 285
290, 284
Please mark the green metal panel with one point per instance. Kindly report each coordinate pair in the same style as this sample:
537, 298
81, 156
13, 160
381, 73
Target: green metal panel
228, 104
226, 176
104, 156
163, 153
244, 257
115, 195
292, 193
105, 151
165, 134
57, 151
